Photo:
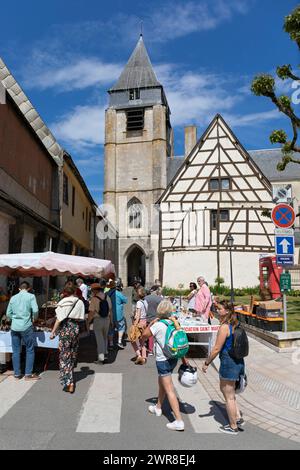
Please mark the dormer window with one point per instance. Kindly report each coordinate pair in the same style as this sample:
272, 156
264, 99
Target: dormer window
134, 94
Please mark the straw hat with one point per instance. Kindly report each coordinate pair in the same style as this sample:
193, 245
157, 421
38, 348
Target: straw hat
96, 286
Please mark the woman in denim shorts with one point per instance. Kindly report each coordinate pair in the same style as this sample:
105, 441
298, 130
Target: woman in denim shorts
230, 369
164, 365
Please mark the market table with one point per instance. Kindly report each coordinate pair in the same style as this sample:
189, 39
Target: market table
42, 340
202, 331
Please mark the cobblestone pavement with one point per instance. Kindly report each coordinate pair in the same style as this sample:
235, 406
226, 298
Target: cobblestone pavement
272, 398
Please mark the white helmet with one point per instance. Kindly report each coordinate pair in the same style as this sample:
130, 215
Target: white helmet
241, 384
187, 375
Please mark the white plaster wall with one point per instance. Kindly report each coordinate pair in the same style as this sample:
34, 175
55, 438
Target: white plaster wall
183, 267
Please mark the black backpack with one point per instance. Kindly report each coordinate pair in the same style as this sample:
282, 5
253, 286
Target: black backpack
103, 307
240, 343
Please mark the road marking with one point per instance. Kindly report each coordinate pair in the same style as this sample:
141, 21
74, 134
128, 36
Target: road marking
211, 417
11, 391
101, 412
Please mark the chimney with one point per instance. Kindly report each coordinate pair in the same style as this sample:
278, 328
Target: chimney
190, 139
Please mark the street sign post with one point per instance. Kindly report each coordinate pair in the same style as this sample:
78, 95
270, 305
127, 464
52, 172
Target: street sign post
285, 282
283, 215
285, 285
284, 246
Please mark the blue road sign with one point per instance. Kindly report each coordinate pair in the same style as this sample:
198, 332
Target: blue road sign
285, 260
284, 245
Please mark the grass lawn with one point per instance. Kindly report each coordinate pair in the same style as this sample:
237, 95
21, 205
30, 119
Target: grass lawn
293, 308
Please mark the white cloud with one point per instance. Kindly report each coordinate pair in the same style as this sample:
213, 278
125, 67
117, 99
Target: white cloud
81, 128
80, 74
252, 119
176, 20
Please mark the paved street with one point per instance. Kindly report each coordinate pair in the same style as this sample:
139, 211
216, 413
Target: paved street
109, 411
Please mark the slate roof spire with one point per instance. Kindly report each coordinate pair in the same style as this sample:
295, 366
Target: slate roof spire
138, 72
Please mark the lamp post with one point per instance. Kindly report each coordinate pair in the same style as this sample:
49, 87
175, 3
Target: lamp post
230, 241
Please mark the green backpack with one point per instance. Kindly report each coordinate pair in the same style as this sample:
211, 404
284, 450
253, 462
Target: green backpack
176, 342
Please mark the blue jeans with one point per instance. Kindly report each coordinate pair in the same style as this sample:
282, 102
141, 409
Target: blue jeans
28, 340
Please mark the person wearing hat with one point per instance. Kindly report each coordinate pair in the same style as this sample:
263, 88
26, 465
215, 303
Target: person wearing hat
100, 314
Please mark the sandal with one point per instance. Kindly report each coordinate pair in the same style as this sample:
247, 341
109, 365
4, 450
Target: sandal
140, 360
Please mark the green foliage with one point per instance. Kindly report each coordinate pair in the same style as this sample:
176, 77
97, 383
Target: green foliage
266, 213
294, 293
219, 280
278, 137
263, 85
285, 101
284, 71
292, 25
170, 292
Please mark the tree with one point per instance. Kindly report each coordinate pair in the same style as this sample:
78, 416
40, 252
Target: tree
264, 85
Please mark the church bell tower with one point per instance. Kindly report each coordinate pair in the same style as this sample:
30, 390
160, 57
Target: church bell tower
138, 142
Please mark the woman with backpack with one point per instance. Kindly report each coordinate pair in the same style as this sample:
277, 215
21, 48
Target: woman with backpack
140, 320
100, 314
231, 368
164, 365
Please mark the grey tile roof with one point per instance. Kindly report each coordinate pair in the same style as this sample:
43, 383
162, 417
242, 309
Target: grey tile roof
268, 159
138, 72
173, 165
30, 114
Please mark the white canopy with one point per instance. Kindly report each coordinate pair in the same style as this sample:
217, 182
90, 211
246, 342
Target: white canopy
53, 264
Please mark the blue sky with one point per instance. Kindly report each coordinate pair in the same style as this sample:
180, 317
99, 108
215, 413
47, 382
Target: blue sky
65, 55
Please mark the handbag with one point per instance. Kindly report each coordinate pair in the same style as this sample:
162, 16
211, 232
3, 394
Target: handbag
135, 332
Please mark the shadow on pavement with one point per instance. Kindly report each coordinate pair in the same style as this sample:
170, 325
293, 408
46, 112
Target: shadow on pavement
185, 408
218, 411
83, 373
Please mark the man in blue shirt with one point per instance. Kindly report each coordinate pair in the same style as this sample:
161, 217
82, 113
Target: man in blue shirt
22, 310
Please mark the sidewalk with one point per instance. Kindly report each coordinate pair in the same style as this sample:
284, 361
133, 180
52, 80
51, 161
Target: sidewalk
272, 398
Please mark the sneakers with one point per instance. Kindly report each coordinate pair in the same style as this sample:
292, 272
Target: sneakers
120, 346
240, 423
176, 426
154, 410
229, 430
18, 377
32, 377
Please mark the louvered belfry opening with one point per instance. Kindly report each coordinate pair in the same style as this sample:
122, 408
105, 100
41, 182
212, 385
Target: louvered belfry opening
135, 119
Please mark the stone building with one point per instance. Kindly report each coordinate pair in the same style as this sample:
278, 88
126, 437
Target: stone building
138, 142
217, 188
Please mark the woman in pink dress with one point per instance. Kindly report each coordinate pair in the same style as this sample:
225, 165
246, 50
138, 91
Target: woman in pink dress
203, 299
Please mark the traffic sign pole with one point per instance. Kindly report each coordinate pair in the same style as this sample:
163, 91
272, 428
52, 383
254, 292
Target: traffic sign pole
285, 312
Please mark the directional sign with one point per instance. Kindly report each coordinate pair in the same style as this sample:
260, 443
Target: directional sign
284, 245
285, 281
285, 260
283, 215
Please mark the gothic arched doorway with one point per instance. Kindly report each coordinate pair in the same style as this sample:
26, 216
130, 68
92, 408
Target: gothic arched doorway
136, 266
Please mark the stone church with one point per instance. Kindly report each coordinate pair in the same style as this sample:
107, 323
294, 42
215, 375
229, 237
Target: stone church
172, 215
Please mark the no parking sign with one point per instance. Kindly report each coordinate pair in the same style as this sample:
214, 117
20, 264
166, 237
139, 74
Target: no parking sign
283, 215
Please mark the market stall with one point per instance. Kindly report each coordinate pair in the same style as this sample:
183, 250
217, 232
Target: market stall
200, 334
47, 264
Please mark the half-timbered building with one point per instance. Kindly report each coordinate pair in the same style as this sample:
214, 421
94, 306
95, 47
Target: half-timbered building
217, 191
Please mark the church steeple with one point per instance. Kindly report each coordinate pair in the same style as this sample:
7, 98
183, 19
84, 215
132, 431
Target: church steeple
138, 72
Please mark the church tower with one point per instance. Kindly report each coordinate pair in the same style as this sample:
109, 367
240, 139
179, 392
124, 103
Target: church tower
138, 142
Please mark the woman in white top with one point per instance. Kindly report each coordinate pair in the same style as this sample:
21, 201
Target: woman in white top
140, 320
191, 298
70, 310
164, 365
